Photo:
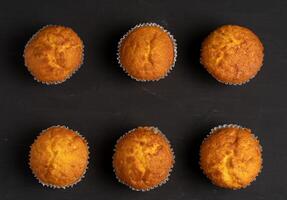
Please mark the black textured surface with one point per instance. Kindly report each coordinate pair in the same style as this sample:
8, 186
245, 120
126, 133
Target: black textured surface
102, 103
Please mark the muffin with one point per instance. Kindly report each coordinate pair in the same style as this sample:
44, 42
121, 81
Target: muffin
59, 157
53, 54
143, 159
232, 54
231, 156
147, 52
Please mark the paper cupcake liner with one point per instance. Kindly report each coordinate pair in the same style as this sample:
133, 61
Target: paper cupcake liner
157, 131
227, 83
174, 50
53, 82
56, 186
232, 126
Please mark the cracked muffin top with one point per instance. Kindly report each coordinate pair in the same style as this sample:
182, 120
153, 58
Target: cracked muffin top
59, 157
231, 157
143, 158
53, 54
232, 54
147, 53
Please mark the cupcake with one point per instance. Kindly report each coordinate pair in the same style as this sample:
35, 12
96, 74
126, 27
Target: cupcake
147, 52
143, 159
59, 157
231, 157
232, 54
53, 54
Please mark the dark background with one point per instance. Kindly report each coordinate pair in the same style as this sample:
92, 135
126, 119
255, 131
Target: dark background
102, 102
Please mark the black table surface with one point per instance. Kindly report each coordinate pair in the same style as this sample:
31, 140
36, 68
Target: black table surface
102, 102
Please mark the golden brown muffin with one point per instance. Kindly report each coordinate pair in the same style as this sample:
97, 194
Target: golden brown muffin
147, 52
53, 54
143, 159
231, 157
232, 54
59, 157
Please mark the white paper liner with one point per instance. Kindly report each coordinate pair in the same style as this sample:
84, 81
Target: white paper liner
232, 126
53, 82
227, 83
174, 50
157, 131
56, 186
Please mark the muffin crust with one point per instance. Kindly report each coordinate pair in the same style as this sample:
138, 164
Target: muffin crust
143, 159
232, 54
59, 157
147, 53
54, 54
231, 157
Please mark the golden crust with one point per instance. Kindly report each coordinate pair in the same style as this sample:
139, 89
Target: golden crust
143, 159
232, 54
231, 157
59, 157
53, 54
147, 53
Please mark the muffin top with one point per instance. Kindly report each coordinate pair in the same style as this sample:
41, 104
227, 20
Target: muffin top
143, 158
231, 157
147, 53
232, 54
53, 54
59, 157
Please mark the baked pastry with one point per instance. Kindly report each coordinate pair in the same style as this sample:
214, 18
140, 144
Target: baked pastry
143, 159
231, 156
147, 52
53, 54
59, 157
232, 54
